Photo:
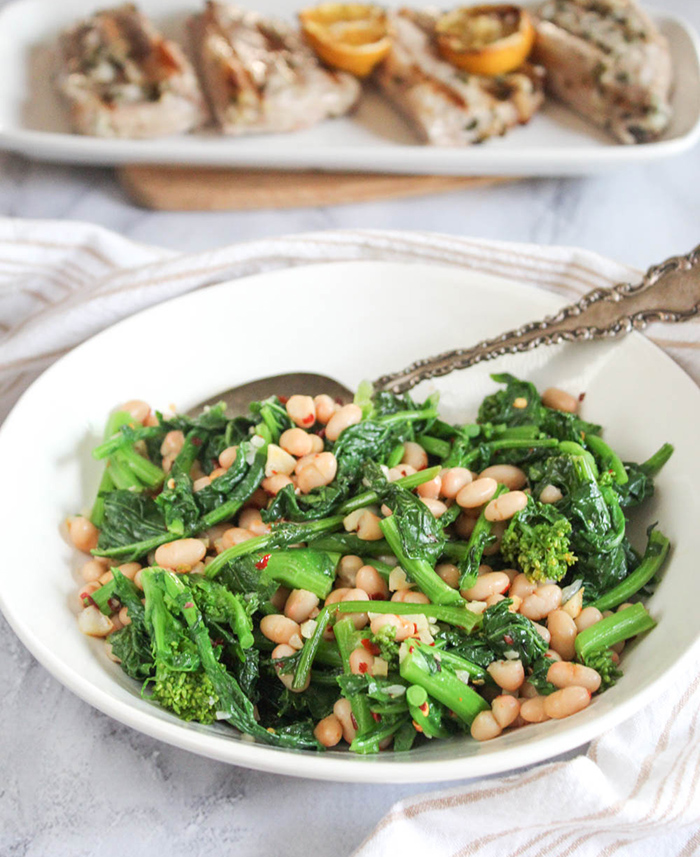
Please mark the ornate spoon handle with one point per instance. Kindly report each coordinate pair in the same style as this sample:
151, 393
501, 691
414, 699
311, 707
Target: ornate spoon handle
669, 292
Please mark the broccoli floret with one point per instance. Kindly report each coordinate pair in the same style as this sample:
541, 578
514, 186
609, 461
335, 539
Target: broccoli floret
385, 638
601, 661
537, 541
190, 695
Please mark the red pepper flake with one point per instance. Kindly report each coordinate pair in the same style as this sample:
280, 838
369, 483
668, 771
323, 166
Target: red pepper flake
424, 709
376, 597
581, 397
196, 441
321, 433
114, 604
189, 604
283, 399
416, 726
310, 420
411, 650
338, 401
353, 721
508, 639
371, 647
217, 642
262, 562
363, 668
90, 600
377, 717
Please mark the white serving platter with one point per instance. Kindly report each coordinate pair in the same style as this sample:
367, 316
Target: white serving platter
367, 318
375, 138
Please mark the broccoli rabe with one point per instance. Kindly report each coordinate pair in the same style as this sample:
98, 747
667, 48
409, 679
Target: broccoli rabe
190, 695
601, 660
537, 541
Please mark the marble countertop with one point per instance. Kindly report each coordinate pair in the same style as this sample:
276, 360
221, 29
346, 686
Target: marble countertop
75, 782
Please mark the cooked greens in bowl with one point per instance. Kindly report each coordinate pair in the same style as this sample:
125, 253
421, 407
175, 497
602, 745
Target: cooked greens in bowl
316, 573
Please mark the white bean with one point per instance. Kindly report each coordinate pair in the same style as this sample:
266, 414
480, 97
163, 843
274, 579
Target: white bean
507, 674
488, 584
348, 415
506, 474
180, 555
542, 601
504, 507
565, 702
414, 455
559, 400
302, 410
475, 494
453, 480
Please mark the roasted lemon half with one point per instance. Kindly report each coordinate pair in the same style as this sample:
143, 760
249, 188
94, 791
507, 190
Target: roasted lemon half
486, 40
348, 36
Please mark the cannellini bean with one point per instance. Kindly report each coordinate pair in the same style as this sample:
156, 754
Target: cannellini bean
522, 587
92, 570
408, 596
494, 599
528, 691
430, 490
371, 581
329, 731
507, 674
504, 507
219, 471
368, 527
497, 530
83, 534
414, 455
250, 519
550, 494
274, 484
138, 409
137, 580
200, 483
449, 573
506, 474
533, 710
316, 443
351, 521
543, 632
343, 711
542, 601
464, 525
563, 633
296, 442
348, 415
94, 623
172, 443
487, 584
235, 536
553, 656
279, 598
124, 617
279, 629
228, 457
437, 507
348, 568
338, 595
485, 727
325, 408
300, 604
318, 471
564, 674
404, 628
302, 410
279, 461
285, 651
505, 709
475, 494
587, 617
105, 578
565, 702
359, 620
559, 400
453, 480
180, 555
361, 662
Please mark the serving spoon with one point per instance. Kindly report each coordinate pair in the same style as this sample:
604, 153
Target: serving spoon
669, 292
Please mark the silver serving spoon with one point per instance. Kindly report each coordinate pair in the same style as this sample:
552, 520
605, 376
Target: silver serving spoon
669, 292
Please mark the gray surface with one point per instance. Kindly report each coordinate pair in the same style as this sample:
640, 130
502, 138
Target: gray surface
73, 781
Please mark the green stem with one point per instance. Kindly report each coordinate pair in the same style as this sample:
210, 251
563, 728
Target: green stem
442, 684
458, 616
613, 629
434, 445
150, 474
478, 542
308, 653
419, 570
368, 498
609, 459
655, 555
97, 516
654, 464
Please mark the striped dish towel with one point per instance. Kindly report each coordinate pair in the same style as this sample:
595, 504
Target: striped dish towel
635, 792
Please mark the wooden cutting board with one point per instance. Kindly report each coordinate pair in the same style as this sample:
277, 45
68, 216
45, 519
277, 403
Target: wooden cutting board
192, 189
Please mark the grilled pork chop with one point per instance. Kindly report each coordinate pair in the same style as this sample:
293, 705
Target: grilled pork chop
123, 79
260, 77
607, 60
449, 107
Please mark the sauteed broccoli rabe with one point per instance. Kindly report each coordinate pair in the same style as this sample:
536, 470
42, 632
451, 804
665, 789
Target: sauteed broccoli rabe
316, 573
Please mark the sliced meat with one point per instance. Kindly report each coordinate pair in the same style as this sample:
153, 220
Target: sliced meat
607, 60
123, 79
260, 77
449, 107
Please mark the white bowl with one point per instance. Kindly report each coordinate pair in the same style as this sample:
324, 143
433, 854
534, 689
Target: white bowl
350, 321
